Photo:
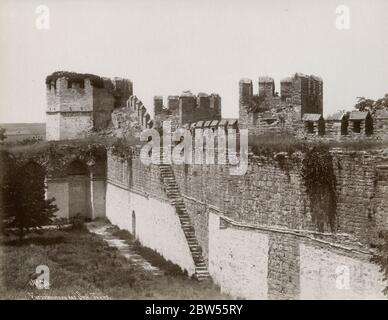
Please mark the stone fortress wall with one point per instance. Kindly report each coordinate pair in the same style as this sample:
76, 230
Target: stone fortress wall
257, 234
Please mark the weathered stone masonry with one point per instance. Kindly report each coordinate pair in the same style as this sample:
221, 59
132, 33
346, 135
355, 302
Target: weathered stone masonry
256, 231
255, 234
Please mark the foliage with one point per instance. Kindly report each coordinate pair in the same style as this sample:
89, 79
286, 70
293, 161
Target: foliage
74, 77
30, 140
2, 134
317, 169
381, 258
257, 104
78, 222
320, 182
57, 151
123, 147
271, 144
83, 264
268, 144
149, 254
23, 206
365, 104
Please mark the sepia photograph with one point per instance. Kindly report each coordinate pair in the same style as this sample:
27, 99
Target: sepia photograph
193, 156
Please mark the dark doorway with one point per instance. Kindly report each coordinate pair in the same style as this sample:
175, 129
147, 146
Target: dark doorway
357, 126
310, 127
79, 189
134, 223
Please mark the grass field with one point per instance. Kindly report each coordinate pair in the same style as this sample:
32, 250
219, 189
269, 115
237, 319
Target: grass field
83, 266
20, 131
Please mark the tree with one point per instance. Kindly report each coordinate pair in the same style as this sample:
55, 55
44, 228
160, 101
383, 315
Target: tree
364, 104
2, 134
382, 103
24, 208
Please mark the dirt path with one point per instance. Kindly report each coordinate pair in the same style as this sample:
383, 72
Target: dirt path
125, 249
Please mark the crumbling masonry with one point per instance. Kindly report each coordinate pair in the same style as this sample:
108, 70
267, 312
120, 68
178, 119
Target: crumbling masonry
255, 234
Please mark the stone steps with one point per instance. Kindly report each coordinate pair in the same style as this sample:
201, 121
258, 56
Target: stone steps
174, 195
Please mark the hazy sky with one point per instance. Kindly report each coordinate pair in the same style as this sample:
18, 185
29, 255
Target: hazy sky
169, 46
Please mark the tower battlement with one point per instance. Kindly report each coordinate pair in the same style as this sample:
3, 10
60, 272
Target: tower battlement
300, 94
78, 103
187, 108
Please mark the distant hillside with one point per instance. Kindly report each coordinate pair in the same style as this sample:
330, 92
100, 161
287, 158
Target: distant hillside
20, 131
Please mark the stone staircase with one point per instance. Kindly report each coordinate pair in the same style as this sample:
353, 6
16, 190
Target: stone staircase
175, 197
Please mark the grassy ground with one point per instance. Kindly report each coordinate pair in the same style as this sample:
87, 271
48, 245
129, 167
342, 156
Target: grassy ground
83, 265
150, 255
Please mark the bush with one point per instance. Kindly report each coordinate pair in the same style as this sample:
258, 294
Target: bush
78, 222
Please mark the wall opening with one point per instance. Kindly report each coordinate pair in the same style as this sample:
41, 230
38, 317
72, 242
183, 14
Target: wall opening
134, 223
310, 127
357, 126
321, 127
344, 127
79, 189
368, 125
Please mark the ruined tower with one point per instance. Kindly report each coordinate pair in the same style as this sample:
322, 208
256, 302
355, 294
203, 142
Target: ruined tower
79, 103
267, 111
187, 108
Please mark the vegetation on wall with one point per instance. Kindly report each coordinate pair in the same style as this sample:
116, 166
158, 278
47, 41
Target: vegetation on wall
31, 147
271, 144
123, 147
320, 182
74, 77
257, 104
317, 170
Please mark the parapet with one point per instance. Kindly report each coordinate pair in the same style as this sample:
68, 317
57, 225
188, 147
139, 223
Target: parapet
187, 108
299, 94
63, 86
139, 112
266, 86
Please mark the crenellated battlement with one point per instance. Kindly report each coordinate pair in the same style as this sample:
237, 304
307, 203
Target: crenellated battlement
79, 103
279, 229
187, 108
267, 111
137, 107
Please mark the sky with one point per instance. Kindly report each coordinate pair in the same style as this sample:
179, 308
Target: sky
166, 47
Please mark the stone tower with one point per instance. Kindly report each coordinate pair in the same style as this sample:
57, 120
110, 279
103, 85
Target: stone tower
267, 111
80, 103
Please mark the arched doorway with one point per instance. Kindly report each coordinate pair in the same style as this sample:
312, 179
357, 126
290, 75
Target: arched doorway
134, 223
79, 189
